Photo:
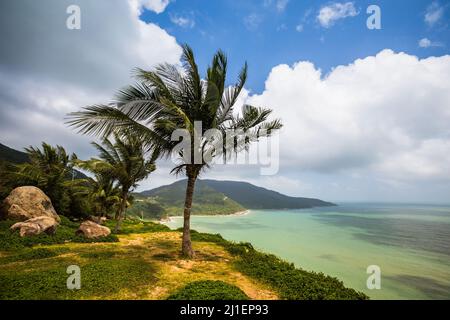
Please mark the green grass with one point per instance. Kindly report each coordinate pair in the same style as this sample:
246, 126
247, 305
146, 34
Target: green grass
131, 226
35, 267
209, 290
30, 254
64, 233
100, 278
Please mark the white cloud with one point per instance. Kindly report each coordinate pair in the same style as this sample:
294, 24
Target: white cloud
182, 21
41, 81
434, 13
426, 43
329, 14
299, 28
157, 6
385, 116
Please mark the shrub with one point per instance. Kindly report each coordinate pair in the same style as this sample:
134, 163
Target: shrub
65, 232
209, 290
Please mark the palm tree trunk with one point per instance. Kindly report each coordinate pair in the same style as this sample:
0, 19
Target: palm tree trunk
186, 248
121, 211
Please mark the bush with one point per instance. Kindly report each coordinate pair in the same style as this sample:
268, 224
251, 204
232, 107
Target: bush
209, 290
65, 232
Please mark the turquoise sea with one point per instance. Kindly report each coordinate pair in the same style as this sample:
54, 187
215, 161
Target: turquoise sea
410, 243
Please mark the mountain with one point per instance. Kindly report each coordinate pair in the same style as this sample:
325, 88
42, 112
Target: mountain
253, 197
224, 197
17, 157
11, 155
207, 200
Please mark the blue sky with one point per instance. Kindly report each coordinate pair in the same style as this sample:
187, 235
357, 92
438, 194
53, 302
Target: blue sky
266, 35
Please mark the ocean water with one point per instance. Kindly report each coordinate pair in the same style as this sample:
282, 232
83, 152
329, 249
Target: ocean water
410, 243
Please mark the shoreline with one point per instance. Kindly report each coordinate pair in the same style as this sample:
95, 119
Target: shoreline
238, 213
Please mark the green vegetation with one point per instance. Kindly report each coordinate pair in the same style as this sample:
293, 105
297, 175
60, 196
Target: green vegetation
65, 233
253, 197
209, 290
51, 170
143, 263
206, 201
135, 227
102, 278
122, 161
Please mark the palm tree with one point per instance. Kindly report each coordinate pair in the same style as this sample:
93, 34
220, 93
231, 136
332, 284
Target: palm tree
104, 194
124, 161
168, 98
51, 170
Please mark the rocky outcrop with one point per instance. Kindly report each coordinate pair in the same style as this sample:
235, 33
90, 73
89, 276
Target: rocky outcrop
92, 230
35, 226
25, 203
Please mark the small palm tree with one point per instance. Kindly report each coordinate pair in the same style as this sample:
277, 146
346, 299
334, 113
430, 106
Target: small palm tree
51, 170
166, 99
104, 194
123, 161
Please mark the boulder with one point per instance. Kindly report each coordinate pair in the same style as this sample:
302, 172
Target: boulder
35, 226
24, 203
91, 230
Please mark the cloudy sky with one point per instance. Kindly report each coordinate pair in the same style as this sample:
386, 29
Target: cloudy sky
366, 112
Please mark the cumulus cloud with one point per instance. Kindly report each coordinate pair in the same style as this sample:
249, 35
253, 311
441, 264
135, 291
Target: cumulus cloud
434, 13
157, 6
385, 115
47, 70
329, 14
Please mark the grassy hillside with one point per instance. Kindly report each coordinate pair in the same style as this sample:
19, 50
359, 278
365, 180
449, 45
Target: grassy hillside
145, 263
10, 155
207, 201
253, 197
